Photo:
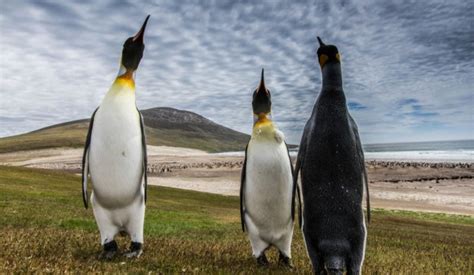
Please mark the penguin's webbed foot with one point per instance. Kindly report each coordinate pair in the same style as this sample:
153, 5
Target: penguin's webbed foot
135, 250
262, 260
109, 251
285, 261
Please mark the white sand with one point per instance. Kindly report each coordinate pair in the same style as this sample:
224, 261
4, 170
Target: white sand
219, 174
225, 187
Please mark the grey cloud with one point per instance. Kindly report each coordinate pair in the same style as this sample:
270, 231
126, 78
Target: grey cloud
60, 57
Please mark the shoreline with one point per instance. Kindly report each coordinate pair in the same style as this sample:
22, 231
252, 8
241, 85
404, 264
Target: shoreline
454, 156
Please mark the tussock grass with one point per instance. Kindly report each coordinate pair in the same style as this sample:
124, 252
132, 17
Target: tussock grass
45, 228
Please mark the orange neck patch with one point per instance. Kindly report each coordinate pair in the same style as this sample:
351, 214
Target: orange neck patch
262, 120
323, 59
263, 129
126, 80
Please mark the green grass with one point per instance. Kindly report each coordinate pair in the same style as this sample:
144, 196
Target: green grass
73, 135
44, 228
65, 135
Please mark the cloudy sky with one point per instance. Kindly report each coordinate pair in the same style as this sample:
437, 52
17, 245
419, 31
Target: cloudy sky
408, 65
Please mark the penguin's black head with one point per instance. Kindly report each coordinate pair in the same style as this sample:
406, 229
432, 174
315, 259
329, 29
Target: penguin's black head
327, 54
261, 102
133, 49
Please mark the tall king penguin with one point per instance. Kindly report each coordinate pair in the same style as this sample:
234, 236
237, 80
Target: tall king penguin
267, 190
333, 176
115, 157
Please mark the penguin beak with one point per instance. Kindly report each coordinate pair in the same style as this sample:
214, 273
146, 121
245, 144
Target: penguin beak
321, 43
261, 102
261, 85
141, 33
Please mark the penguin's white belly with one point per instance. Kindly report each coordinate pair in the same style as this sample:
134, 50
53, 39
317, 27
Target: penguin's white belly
268, 187
116, 157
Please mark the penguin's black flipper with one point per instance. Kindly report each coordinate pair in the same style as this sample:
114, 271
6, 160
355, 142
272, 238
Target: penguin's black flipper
360, 153
145, 158
85, 161
299, 161
295, 185
242, 186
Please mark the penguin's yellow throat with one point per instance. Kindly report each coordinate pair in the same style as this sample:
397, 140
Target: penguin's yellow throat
125, 80
123, 85
262, 120
263, 126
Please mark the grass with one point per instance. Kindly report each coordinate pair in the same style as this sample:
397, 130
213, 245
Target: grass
44, 228
73, 135
63, 135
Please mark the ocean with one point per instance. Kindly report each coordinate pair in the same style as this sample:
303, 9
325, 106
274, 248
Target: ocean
428, 151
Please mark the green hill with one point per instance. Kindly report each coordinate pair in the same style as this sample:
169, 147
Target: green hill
164, 126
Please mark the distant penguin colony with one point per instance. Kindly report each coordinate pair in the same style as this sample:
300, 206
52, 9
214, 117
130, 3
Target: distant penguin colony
267, 191
330, 161
333, 176
115, 157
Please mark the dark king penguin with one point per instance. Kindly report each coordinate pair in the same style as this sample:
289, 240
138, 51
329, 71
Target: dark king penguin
115, 157
267, 190
333, 176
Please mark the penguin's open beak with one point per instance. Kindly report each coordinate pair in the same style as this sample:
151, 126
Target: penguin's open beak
141, 33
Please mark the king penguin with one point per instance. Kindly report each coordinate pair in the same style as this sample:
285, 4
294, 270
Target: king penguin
267, 190
115, 157
333, 176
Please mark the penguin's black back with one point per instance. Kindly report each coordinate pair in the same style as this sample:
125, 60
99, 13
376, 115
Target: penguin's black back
331, 172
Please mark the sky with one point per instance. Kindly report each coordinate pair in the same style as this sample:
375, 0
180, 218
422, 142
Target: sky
408, 66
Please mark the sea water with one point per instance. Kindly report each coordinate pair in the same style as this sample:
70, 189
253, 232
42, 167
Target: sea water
427, 151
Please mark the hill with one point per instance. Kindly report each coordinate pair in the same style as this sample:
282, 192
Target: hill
164, 126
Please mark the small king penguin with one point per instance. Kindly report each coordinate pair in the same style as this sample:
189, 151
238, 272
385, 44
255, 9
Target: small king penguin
115, 157
267, 190
333, 175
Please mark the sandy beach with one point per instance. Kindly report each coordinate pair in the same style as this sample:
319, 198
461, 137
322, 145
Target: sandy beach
422, 186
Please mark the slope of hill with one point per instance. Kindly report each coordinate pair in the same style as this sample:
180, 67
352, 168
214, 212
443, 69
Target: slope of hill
164, 126
172, 127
